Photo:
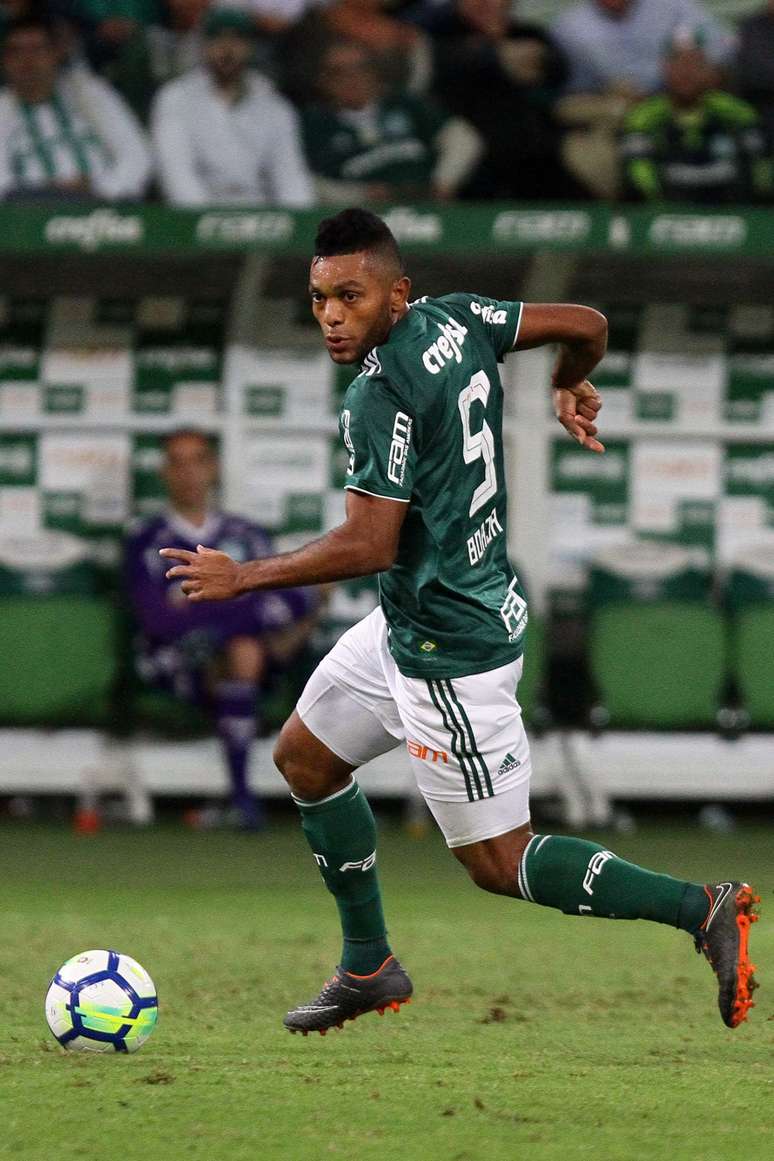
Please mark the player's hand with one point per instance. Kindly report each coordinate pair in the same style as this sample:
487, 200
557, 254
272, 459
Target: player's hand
207, 575
577, 408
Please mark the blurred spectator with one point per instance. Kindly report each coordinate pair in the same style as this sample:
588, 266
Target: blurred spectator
284, 31
63, 132
156, 53
694, 143
431, 15
365, 145
615, 49
394, 33
274, 17
618, 44
755, 64
13, 10
110, 24
176, 41
503, 76
373, 23
216, 656
223, 134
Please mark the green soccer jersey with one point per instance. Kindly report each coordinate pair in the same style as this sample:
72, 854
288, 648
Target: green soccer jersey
422, 423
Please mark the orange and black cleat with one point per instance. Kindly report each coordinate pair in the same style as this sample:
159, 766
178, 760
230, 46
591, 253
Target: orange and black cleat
346, 996
723, 939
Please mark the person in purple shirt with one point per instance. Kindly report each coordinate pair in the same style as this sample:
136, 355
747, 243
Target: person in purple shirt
619, 44
214, 655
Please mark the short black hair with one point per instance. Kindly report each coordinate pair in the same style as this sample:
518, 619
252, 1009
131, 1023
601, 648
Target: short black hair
207, 438
36, 22
354, 230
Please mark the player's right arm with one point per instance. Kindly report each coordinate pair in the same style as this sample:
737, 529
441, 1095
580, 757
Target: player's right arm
581, 335
366, 543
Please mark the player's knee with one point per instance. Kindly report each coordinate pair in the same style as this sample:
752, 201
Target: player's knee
493, 865
494, 879
289, 761
307, 776
301, 779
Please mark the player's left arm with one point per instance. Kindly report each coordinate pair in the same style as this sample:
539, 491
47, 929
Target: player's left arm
581, 335
366, 543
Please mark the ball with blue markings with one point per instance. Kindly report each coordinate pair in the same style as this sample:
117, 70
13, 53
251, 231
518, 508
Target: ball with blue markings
102, 1001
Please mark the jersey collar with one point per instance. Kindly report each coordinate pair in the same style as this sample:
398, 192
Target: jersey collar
196, 533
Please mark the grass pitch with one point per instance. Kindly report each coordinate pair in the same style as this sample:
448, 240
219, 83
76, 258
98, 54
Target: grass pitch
531, 1034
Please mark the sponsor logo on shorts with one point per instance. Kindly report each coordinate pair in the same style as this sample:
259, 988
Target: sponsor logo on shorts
426, 753
508, 763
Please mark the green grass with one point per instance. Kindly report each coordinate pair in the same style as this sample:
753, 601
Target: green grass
531, 1035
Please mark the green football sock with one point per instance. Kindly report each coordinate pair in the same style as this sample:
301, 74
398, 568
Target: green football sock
342, 834
583, 878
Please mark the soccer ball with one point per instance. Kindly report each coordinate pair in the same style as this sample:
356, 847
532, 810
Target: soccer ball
101, 1001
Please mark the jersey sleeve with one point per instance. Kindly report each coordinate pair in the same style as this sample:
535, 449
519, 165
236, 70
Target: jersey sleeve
499, 318
377, 428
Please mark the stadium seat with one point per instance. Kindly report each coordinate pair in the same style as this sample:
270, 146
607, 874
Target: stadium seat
534, 667
161, 713
60, 659
750, 594
752, 651
659, 665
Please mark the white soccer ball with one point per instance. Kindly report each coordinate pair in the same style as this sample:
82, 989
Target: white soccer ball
101, 1001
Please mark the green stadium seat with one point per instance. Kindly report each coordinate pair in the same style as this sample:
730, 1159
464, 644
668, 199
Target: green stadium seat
752, 653
534, 668
161, 713
659, 665
60, 659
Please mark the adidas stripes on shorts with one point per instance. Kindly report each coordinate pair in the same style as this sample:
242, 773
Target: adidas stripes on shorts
464, 735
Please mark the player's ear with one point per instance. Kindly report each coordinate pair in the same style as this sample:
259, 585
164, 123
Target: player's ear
400, 292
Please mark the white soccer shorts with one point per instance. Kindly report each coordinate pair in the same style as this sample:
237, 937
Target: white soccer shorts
464, 735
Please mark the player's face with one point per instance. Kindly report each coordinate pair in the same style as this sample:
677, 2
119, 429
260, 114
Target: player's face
189, 472
356, 299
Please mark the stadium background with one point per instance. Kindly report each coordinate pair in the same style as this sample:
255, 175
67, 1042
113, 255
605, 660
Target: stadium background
155, 318
647, 691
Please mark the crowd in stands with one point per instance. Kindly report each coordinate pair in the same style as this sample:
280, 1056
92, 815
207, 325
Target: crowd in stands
301, 102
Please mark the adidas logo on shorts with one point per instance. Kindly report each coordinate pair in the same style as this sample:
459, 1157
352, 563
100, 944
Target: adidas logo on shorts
509, 763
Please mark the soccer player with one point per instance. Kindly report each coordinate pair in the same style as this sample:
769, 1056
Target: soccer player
217, 658
437, 665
